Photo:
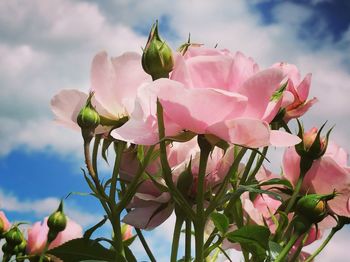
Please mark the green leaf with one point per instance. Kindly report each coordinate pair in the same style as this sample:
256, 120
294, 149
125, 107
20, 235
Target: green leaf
82, 249
220, 221
253, 238
90, 231
275, 250
256, 189
277, 181
129, 241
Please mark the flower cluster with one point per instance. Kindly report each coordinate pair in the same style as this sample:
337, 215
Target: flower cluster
190, 130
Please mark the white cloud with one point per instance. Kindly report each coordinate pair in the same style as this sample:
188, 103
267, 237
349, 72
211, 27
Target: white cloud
44, 207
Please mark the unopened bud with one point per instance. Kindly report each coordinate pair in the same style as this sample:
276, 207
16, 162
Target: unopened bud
56, 222
312, 146
14, 236
313, 207
88, 116
126, 231
157, 58
21, 248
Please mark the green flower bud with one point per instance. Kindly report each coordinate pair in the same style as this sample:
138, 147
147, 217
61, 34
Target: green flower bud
313, 207
301, 224
57, 221
88, 116
21, 248
157, 58
185, 180
14, 236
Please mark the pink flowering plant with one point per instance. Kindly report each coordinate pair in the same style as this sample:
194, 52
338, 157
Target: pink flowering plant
191, 131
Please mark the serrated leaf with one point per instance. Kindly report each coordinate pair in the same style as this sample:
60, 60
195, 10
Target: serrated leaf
253, 238
83, 249
90, 231
220, 221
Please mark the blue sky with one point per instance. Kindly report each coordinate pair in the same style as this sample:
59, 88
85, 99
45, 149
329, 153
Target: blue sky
48, 45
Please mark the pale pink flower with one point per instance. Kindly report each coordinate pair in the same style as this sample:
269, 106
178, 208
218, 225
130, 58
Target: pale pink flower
37, 235
299, 90
328, 173
114, 82
210, 92
5, 221
150, 206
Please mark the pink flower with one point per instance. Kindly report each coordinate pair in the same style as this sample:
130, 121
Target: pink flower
4, 220
214, 92
114, 81
328, 173
150, 206
37, 235
126, 232
299, 90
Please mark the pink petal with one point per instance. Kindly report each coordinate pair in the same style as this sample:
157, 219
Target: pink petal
300, 110
304, 87
196, 109
291, 163
66, 106
115, 81
242, 131
259, 89
282, 139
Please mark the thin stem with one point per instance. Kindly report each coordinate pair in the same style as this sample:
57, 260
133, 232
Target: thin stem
325, 242
130, 191
145, 245
176, 239
294, 196
200, 220
177, 196
287, 248
258, 164
300, 247
95, 152
224, 184
112, 190
188, 238
248, 167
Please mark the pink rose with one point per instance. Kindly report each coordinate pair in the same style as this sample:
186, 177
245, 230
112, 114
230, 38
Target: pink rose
5, 222
210, 91
37, 235
328, 173
113, 80
298, 91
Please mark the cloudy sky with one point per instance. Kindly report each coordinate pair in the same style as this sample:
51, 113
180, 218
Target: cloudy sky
48, 45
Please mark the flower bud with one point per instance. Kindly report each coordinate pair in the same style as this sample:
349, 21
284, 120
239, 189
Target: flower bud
4, 224
126, 232
14, 237
56, 222
313, 207
21, 248
312, 145
157, 58
185, 180
88, 116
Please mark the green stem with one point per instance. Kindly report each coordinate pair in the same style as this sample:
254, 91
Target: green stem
117, 239
176, 239
224, 184
325, 242
95, 152
130, 191
112, 190
200, 216
258, 164
145, 245
188, 238
300, 247
167, 175
295, 194
287, 248
248, 167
